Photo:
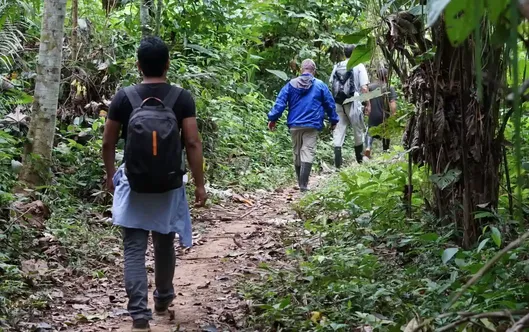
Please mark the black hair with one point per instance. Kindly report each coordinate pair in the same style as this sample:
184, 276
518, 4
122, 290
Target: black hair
382, 74
153, 55
348, 50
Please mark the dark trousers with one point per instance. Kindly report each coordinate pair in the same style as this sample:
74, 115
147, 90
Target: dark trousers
135, 243
369, 142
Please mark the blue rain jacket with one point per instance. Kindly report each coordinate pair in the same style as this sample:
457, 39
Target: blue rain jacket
308, 100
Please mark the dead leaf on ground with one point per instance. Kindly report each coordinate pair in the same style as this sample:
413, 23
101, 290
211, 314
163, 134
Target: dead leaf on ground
81, 307
204, 286
33, 213
209, 328
34, 267
237, 240
118, 312
240, 199
80, 299
92, 318
222, 278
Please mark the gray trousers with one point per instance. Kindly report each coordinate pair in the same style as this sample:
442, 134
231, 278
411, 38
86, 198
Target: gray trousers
135, 243
303, 144
350, 115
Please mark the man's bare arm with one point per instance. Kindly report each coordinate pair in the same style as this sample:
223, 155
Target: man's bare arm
110, 139
365, 89
194, 156
194, 149
393, 107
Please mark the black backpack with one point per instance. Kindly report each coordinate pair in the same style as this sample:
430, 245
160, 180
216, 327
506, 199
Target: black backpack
153, 151
343, 86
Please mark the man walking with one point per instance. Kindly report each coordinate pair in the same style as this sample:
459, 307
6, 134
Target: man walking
157, 120
381, 109
307, 99
346, 84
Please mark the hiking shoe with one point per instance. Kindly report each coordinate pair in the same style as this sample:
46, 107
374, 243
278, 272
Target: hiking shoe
367, 153
161, 310
141, 325
304, 176
359, 152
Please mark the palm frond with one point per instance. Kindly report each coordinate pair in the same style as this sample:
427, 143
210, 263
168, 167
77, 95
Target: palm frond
10, 44
10, 37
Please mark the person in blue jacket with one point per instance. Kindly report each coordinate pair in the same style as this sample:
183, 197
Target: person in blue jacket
308, 99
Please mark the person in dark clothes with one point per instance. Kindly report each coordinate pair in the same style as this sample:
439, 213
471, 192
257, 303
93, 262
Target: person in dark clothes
381, 109
163, 214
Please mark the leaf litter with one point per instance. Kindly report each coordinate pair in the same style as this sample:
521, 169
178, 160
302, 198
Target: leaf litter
230, 241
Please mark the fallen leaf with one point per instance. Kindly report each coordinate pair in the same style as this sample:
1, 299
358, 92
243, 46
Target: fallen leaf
240, 199
44, 326
206, 285
82, 307
222, 278
237, 240
34, 267
315, 316
91, 318
412, 325
209, 328
119, 312
79, 300
171, 315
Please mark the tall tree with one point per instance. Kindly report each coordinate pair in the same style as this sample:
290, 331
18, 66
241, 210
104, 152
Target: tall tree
457, 95
39, 144
75, 12
158, 17
145, 17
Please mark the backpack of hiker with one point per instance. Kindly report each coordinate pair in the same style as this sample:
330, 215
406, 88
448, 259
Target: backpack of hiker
343, 85
153, 150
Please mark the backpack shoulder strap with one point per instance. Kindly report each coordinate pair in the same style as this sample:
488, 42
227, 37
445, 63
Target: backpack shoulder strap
133, 96
349, 74
171, 98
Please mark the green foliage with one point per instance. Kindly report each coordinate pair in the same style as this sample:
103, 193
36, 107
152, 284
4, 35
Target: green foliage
8, 168
363, 262
10, 36
362, 53
367, 262
462, 17
78, 233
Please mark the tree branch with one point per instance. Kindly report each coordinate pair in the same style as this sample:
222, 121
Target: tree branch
521, 93
487, 267
519, 325
510, 98
469, 316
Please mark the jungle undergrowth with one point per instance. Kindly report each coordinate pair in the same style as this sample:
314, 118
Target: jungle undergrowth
358, 260
77, 237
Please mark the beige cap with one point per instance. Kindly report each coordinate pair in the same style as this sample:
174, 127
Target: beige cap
308, 64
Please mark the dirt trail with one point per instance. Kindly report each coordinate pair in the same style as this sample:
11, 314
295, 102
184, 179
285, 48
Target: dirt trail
231, 239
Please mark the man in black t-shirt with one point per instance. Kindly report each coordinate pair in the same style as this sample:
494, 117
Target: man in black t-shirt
163, 214
381, 109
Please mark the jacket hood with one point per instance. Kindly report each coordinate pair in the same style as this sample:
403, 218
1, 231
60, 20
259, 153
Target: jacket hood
303, 82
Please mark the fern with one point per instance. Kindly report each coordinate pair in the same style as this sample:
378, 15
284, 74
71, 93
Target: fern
10, 37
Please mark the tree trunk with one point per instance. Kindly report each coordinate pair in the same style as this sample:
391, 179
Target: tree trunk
468, 139
454, 131
145, 18
39, 144
158, 18
109, 5
75, 11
